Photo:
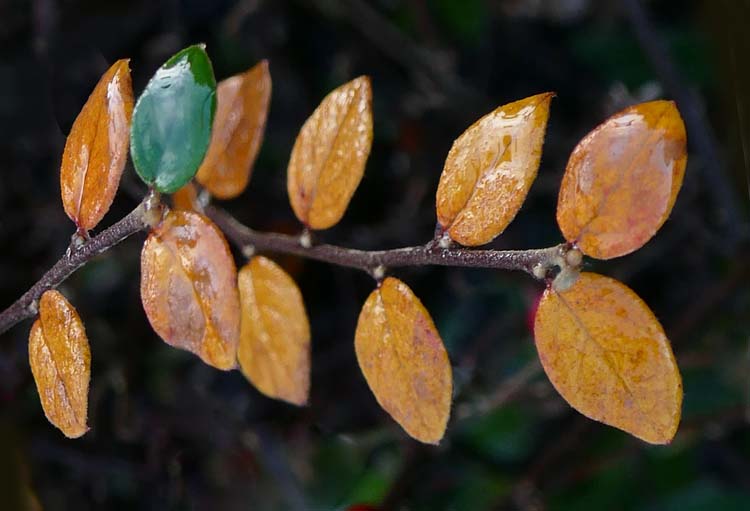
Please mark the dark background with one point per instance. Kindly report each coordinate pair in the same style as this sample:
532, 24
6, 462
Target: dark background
168, 432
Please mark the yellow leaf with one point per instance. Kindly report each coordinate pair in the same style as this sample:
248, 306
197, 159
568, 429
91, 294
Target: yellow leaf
489, 170
274, 350
329, 155
60, 361
189, 288
607, 355
404, 362
622, 180
241, 112
97, 148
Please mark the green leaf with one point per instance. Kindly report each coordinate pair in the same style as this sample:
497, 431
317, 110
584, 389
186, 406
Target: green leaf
172, 120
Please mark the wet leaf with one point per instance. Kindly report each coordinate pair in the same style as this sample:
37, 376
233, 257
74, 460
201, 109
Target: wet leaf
60, 361
189, 288
172, 120
404, 362
622, 180
237, 135
274, 350
607, 355
97, 148
329, 155
489, 170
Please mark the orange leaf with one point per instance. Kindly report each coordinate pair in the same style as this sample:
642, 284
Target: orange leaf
489, 170
329, 155
61, 364
607, 355
97, 148
189, 288
186, 198
274, 350
404, 362
622, 180
239, 123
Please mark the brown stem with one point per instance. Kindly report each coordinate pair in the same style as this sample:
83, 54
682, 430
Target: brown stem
536, 262
79, 253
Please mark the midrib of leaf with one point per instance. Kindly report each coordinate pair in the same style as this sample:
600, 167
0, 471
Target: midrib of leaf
264, 326
208, 328
81, 189
58, 373
237, 102
401, 363
609, 362
258, 122
500, 153
255, 123
603, 204
337, 133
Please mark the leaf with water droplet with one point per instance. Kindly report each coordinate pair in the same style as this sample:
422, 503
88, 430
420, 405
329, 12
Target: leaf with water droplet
189, 288
489, 170
172, 120
622, 180
60, 361
97, 148
329, 155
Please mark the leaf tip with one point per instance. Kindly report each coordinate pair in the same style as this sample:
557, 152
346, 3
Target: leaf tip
362, 81
122, 63
76, 432
300, 400
545, 96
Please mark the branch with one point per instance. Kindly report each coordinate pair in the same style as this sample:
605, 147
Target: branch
537, 262
506, 391
79, 253
541, 263
432, 73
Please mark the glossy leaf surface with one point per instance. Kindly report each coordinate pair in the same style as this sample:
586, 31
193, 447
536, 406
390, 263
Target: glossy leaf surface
489, 170
97, 148
329, 155
622, 180
403, 360
607, 355
172, 120
237, 134
274, 350
189, 288
60, 361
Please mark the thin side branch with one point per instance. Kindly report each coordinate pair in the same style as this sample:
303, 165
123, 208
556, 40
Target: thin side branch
79, 253
536, 262
698, 127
